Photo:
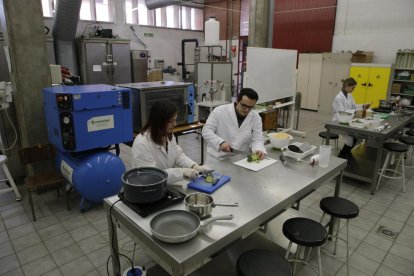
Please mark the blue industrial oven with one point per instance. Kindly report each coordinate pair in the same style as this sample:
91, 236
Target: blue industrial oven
144, 94
86, 117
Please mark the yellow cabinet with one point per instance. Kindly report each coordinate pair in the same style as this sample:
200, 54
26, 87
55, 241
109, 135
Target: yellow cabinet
373, 81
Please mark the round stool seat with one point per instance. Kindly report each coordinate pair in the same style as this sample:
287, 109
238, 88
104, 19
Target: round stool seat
328, 135
3, 159
396, 147
410, 132
264, 263
339, 207
408, 140
305, 232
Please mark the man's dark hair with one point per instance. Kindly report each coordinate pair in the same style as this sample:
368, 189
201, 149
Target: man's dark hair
249, 93
161, 112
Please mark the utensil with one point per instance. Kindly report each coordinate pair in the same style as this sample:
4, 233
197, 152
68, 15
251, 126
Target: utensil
144, 185
236, 151
283, 160
176, 226
202, 204
217, 179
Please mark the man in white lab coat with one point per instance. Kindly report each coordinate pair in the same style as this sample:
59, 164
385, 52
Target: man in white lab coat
235, 126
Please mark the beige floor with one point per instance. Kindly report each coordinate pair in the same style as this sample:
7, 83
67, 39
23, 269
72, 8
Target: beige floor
65, 242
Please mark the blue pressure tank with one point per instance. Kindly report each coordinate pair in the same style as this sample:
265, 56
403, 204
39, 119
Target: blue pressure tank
95, 174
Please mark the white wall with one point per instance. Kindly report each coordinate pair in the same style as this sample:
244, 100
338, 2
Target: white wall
382, 26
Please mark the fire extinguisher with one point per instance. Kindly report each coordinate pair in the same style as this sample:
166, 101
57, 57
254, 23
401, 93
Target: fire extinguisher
233, 50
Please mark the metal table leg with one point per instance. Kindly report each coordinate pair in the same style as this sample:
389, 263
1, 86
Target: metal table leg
113, 244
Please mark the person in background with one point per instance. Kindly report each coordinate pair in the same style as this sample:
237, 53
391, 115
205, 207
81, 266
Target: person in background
235, 126
156, 146
342, 102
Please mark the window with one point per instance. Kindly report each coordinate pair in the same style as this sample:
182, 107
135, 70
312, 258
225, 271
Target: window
93, 10
173, 16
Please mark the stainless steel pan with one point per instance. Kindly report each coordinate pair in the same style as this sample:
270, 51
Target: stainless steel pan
202, 204
175, 226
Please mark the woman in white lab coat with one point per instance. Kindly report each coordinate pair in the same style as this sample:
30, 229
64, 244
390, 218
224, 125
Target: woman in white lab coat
235, 126
156, 146
344, 101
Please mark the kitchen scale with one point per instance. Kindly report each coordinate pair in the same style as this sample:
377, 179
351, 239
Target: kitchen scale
173, 197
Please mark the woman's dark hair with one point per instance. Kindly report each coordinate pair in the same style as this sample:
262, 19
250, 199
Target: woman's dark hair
161, 112
250, 93
348, 82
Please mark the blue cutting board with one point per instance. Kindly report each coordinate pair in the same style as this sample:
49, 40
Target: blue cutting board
201, 185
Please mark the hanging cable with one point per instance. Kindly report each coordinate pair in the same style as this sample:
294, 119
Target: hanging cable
14, 130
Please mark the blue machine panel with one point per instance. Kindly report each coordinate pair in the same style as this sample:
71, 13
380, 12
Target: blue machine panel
86, 117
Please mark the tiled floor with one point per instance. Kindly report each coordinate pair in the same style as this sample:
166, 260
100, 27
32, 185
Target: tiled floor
65, 242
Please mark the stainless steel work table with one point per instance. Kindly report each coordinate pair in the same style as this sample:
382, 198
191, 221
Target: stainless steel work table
261, 195
366, 158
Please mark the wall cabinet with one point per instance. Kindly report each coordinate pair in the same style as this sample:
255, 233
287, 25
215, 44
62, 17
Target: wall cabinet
373, 82
319, 79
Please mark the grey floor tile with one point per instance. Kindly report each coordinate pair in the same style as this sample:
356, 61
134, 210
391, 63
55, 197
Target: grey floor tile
93, 273
403, 251
386, 271
17, 211
361, 223
352, 271
369, 215
396, 215
399, 264
54, 272
15, 272
15, 221
405, 240
79, 267
59, 242
96, 213
379, 241
51, 231
67, 254
93, 243
6, 249
26, 241
8, 263
44, 222
4, 237
371, 252
83, 232
408, 230
100, 224
364, 264
32, 253
390, 223
75, 222
100, 256
330, 264
39, 266
405, 209
21, 230
355, 232
2, 227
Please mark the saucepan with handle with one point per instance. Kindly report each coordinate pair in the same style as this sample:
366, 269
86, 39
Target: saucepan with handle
202, 204
176, 226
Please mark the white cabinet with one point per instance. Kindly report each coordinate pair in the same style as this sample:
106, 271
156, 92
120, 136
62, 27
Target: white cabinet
319, 79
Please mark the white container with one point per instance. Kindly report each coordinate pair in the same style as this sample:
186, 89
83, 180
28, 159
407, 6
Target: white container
324, 155
211, 32
278, 142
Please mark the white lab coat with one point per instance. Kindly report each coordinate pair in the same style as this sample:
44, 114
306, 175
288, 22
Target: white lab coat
342, 103
222, 126
145, 153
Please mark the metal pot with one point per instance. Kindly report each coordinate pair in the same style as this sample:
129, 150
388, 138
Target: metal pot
175, 226
145, 184
202, 204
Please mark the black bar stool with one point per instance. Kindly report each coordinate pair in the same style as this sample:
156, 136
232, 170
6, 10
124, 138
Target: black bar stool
410, 132
327, 136
340, 208
409, 141
305, 233
262, 262
392, 148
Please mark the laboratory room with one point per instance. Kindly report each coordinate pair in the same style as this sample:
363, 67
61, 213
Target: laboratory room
206, 137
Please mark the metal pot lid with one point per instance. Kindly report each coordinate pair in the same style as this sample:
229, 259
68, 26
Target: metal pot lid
144, 176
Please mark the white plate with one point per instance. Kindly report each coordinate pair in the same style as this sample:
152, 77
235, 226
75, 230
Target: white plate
254, 166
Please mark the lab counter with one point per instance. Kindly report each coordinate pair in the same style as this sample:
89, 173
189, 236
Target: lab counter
261, 195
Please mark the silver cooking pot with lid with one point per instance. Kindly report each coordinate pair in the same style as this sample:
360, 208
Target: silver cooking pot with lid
145, 184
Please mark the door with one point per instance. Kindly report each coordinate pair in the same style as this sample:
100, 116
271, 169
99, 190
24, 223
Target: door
327, 83
303, 77
377, 86
121, 63
314, 82
361, 75
95, 59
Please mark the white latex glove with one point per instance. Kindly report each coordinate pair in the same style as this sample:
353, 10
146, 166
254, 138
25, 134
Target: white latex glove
190, 173
202, 168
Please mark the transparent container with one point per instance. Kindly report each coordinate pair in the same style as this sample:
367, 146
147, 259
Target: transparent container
211, 32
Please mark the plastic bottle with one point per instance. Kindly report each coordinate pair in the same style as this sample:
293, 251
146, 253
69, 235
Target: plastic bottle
211, 32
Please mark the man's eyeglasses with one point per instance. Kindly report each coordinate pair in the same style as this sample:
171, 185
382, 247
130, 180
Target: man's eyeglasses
246, 106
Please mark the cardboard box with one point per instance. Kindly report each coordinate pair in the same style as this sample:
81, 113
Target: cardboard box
396, 88
269, 119
155, 75
362, 57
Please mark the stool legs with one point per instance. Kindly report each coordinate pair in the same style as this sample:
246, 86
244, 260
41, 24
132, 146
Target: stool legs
306, 260
384, 169
387, 160
11, 181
